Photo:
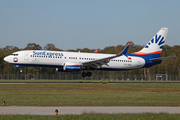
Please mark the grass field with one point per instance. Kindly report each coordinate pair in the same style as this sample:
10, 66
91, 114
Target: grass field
84, 81
90, 94
148, 116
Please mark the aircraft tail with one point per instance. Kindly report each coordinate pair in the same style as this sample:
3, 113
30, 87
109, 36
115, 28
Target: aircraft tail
154, 47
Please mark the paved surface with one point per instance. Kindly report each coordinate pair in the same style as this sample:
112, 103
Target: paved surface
27, 110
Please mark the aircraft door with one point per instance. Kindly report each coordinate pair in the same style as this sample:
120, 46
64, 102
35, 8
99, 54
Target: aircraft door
79, 57
138, 62
26, 56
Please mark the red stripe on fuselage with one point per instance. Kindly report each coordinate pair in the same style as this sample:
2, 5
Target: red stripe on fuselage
141, 53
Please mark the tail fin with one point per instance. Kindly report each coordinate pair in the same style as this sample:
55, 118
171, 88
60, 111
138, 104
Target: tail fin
154, 47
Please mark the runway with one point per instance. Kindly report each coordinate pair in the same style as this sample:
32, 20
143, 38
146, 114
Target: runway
28, 110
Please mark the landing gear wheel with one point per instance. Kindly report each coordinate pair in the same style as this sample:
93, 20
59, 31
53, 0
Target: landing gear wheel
84, 74
89, 74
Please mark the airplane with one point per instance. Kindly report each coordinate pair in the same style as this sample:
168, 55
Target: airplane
77, 61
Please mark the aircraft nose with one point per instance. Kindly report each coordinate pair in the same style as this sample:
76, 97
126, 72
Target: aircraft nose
6, 59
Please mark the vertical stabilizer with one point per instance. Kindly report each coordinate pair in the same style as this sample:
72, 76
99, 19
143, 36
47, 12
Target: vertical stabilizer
154, 47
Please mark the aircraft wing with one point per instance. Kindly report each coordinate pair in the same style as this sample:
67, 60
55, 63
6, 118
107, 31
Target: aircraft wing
99, 62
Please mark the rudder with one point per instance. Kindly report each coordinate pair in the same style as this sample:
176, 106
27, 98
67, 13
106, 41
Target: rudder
154, 47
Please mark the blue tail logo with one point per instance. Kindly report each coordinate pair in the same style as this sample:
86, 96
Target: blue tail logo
156, 40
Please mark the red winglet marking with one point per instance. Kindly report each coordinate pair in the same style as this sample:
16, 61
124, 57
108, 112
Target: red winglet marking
129, 44
96, 50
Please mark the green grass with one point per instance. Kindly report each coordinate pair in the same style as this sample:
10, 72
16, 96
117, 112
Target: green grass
147, 116
109, 81
90, 94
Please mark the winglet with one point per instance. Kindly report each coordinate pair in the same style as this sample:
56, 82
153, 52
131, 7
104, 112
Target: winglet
126, 48
96, 51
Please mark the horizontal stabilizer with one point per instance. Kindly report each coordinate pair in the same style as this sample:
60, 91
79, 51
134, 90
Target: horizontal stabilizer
161, 58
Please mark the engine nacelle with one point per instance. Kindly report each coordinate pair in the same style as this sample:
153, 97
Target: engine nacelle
68, 67
18, 66
72, 67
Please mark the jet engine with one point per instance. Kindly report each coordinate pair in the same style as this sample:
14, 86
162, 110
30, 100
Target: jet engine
67, 67
72, 67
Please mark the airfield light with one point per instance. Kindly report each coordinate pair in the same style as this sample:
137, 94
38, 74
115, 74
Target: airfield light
56, 111
4, 102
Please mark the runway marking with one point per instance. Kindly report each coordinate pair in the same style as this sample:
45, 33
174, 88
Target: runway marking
32, 110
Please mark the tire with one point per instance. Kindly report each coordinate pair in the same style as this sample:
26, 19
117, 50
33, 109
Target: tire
84, 74
89, 74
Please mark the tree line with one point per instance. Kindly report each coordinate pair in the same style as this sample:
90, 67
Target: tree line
170, 66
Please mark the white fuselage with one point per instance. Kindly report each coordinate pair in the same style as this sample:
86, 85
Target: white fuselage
42, 58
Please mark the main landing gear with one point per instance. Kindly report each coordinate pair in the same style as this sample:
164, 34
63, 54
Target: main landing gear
84, 74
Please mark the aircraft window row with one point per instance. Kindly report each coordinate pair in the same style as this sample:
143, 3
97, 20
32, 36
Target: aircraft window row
72, 57
76, 58
122, 60
14, 54
64, 57
88, 58
45, 56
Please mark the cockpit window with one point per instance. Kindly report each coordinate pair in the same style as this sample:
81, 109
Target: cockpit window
14, 54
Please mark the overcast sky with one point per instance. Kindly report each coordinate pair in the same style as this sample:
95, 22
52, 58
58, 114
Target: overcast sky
71, 24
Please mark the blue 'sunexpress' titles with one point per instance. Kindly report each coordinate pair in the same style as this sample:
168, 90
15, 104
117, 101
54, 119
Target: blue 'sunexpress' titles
47, 53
